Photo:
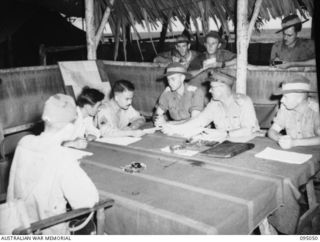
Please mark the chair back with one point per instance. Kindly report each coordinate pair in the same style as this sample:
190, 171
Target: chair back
9, 143
7, 148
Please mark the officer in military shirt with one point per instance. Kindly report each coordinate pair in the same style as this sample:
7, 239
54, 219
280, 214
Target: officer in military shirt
180, 100
298, 115
232, 114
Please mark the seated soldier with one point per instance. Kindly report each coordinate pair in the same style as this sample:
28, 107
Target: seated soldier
292, 51
214, 57
117, 117
45, 173
181, 100
88, 103
181, 53
232, 114
298, 115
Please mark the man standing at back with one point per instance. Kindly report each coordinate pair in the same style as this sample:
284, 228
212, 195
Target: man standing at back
214, 57
292, 51
45, 174
181, 53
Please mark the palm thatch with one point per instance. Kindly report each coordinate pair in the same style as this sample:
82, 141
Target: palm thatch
149, 12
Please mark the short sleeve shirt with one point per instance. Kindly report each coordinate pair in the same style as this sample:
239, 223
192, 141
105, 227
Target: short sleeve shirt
303, 50
109, 118
298, 125
240, 114
181, 107
221, 56
168, 57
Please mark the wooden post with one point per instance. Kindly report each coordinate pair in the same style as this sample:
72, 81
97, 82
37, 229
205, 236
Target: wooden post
124, 40
117, 39
103, 23
163, 34
90, 30
43, 55
242, 45
244, 31
10, 52
254, 17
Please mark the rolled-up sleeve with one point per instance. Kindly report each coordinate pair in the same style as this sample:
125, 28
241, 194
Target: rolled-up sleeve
163, 101
248, 115
279, 120
197, 102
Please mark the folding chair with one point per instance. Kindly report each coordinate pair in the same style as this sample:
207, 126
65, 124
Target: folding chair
38, 226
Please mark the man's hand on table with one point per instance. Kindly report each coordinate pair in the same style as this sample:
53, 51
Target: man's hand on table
159, 121
286, 142
171, 129
78, 143
210, 135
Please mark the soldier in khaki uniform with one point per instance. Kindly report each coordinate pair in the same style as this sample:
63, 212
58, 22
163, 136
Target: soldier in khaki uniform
180, 100
292, 51
117, 117
181, 53
298, 115
232, 114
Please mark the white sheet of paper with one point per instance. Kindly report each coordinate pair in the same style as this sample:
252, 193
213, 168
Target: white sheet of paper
185, 152
119, 140
75, 154
283, 156
151, 130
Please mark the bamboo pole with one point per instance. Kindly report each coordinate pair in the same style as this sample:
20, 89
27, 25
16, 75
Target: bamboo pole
242, 45
103, 23
163, 34
124, 40
90, 30
254, 17
117, 39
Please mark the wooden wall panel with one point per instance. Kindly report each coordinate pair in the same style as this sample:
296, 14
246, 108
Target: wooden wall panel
23, 92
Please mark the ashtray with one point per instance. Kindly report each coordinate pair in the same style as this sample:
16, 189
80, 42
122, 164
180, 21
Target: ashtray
134, 167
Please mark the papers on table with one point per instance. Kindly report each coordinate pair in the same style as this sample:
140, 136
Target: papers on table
151, 130
243, 139
283, 156
185, 152
74, 153
118, 140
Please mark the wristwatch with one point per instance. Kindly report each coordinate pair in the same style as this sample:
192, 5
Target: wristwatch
223, 64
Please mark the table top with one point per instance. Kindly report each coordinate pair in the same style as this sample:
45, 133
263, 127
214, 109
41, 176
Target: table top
190, 195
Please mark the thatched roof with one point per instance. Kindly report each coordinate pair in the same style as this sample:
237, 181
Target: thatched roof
149, 12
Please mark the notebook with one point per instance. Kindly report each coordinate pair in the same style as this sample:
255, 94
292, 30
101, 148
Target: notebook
227, 149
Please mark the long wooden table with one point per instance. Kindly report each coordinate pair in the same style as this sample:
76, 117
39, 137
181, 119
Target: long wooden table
199, 194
